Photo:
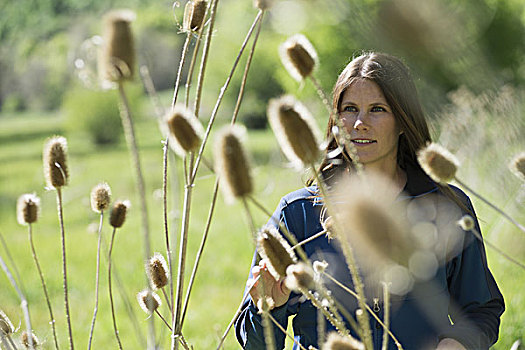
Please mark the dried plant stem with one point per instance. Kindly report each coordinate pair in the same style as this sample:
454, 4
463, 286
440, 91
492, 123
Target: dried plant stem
167, 300
311, 238
201, 249
150, 89
246, 70
12, 342
115, 328
499, 251
386, 315
268, 330
163, 319
370, 311
237, 313
221, 96
21, 295
64, 266
321, 327
44, 287
129, 132
352, 266
165, 217
212, 7
334, 318
97, 280
285, 332
321, 93
12, 262
179, 72
484, 200
125, 299
176, 329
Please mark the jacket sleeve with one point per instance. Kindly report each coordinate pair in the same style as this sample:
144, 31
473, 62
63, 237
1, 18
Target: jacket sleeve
248, 326
476, 303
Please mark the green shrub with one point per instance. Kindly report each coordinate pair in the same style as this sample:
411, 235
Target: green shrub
96, 113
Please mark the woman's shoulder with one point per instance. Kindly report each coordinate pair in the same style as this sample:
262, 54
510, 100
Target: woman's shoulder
309, 194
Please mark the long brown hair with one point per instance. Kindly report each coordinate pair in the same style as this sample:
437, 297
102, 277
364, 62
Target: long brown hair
397, 85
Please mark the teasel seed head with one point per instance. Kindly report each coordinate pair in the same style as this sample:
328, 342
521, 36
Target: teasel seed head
375, 224
517, 165
185, 130
100, 197
262, 4
26, 342
467, 223
117, 60
149, 301
295, 130
157, 271
438, 163
231, 163
299, 277
6, 326
276, 250
118, 213
194, 15
320, 266
265, 304
336, 341
55, 162
298, 56
28, 208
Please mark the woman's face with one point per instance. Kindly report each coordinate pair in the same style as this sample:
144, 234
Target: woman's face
369, 121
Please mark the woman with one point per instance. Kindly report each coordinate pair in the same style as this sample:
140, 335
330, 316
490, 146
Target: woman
377, 104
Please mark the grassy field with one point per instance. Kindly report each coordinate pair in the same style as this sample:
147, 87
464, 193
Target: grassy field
220, 282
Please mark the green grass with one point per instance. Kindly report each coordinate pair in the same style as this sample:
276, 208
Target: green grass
220, 282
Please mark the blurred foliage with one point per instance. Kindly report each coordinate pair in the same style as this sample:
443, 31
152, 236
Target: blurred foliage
96, 113
479, 44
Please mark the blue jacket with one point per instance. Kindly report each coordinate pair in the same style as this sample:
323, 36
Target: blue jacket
462, 290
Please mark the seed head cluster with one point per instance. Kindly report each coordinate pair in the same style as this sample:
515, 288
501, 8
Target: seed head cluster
100, 197
117, 60
336, 341
194, 15
466, 223
148, 301
517, 165
157, 271
118, 213
263, 4
295, 130
185, 130
298, 56
55, 162
438, 163
27, 209
6, 326
231, 163
276, 250
299, 277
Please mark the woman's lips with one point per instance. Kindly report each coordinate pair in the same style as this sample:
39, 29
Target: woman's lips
363, 142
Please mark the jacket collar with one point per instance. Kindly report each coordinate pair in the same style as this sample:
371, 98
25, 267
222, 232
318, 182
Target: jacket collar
418, 182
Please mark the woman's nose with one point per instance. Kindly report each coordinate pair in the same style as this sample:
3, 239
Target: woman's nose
359, 123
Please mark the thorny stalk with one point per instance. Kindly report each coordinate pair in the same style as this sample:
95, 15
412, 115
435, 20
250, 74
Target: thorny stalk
165, 218
321, 93
285, 332
499, 251
370, 311
150, 89
484, 200
237, 313
311, 238
113, 317
64, 266
129, 133
12, 342
216, 186
4, 342
167, 300
221, 95
386, 315
12, 262
44, 287
163, 319
21, 295
352, 266
97, 280
179, 72
334, 318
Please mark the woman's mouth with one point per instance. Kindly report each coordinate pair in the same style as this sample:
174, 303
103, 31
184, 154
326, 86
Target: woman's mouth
363, 141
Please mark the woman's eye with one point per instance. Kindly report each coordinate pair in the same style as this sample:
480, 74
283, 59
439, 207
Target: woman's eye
378, 109
349, 109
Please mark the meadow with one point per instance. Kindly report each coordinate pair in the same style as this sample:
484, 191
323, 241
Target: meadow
220, 282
